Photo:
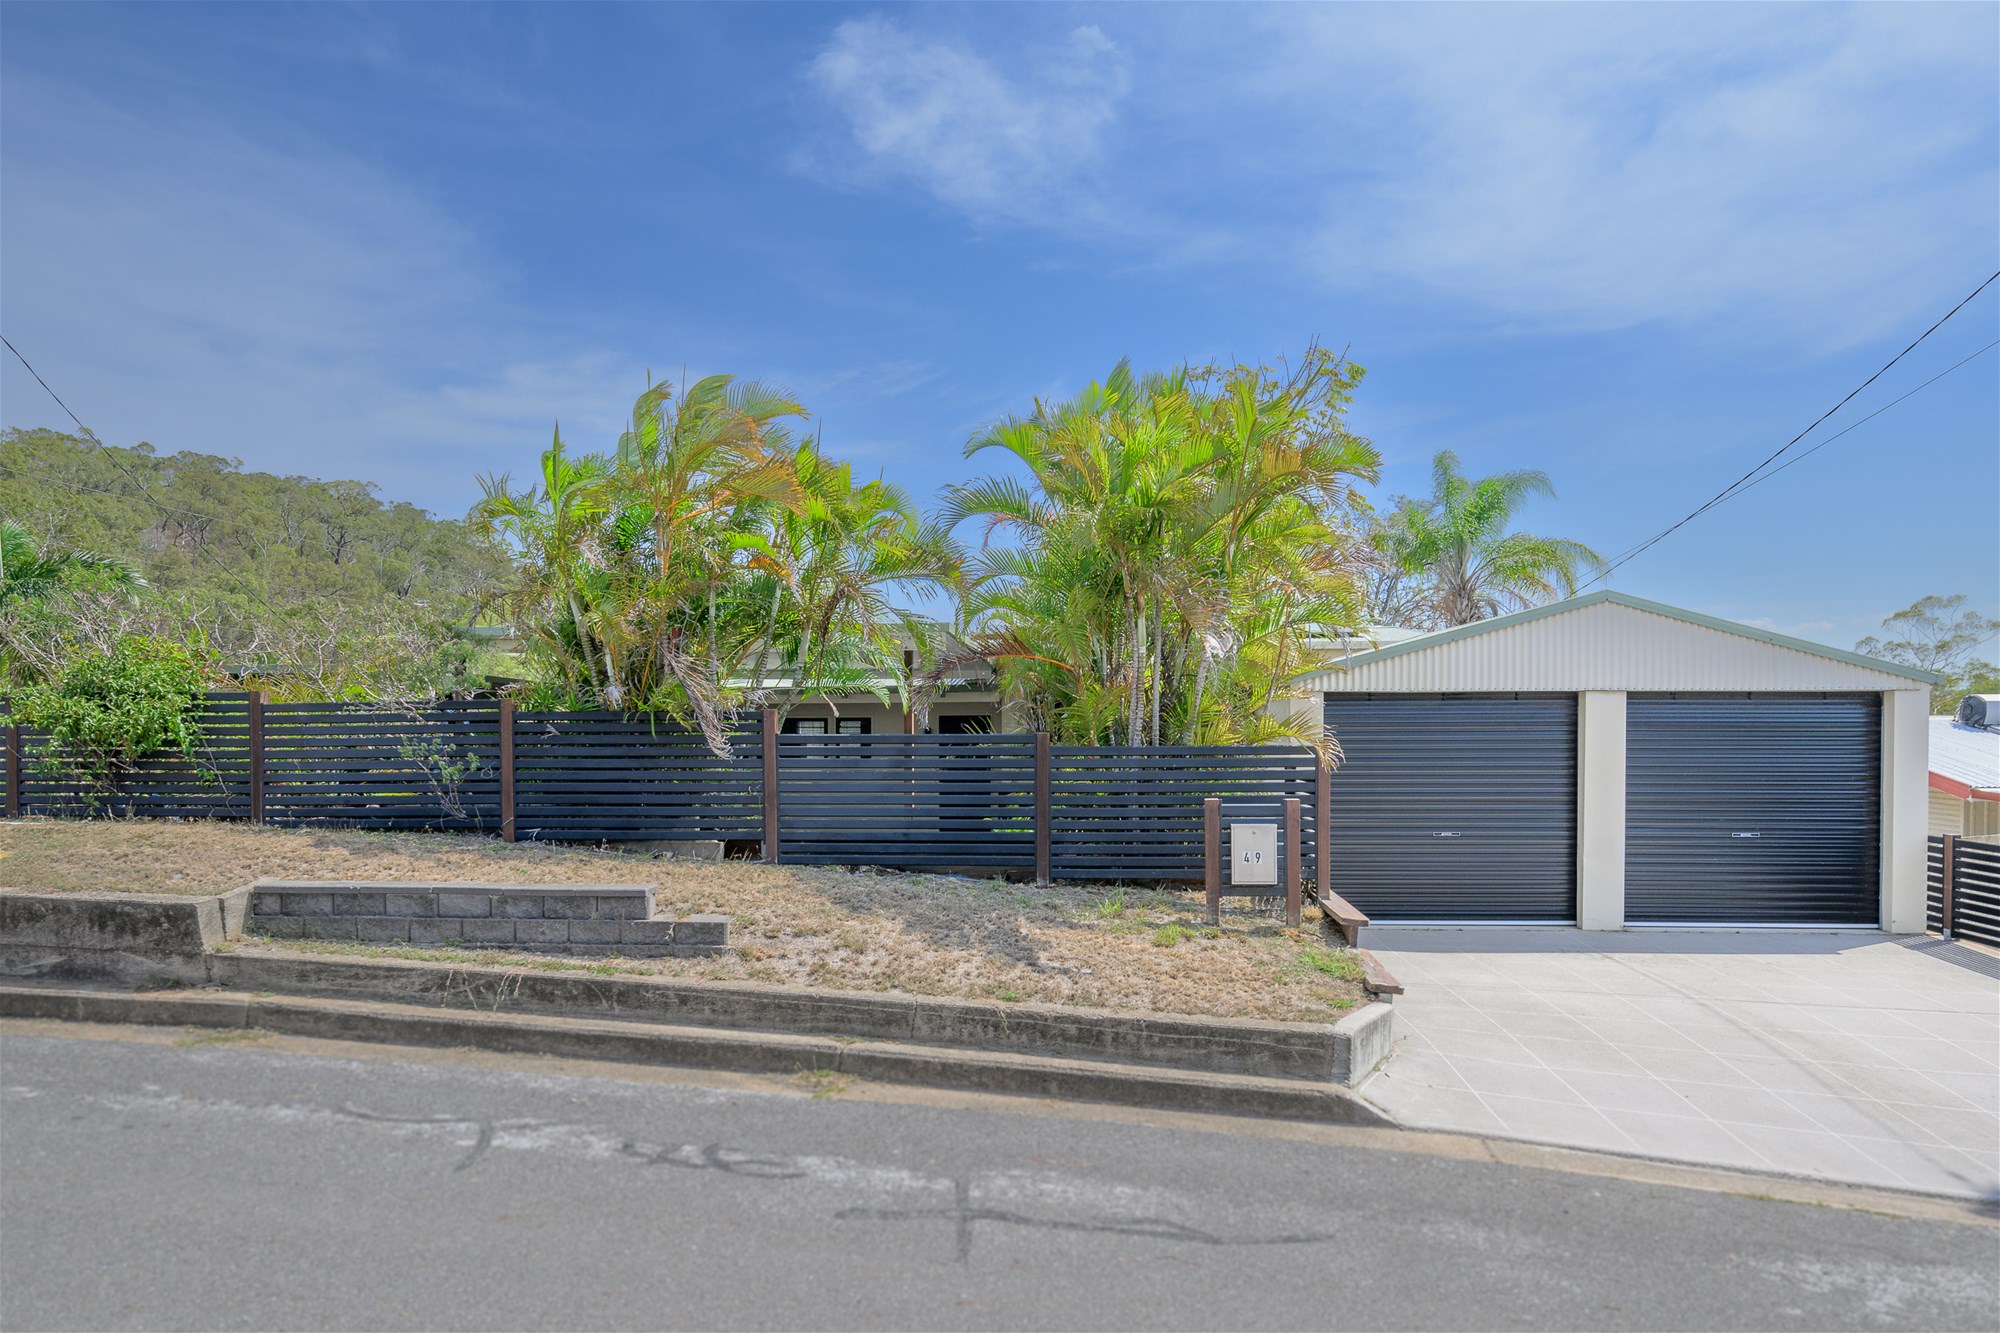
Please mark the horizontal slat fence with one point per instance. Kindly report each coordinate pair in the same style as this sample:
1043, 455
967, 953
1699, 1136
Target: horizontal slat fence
609, 777
911, 802
374, 767
215, 783
980, 803
1967, 906
1135, 813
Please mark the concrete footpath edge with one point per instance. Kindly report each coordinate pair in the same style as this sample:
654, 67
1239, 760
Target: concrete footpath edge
703, 1048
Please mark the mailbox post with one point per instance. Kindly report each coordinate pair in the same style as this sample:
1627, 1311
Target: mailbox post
1254, 858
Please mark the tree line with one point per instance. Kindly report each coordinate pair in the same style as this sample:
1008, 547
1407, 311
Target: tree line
1158, 558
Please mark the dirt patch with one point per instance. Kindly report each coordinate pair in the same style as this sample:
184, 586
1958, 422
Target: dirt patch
1112, 947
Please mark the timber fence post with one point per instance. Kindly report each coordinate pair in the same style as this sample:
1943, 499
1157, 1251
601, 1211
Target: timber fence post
1946, 905
1294, 860
1211, 856
254, 715
1043, 832
770, 786
13, 771
506, 721
1323, 832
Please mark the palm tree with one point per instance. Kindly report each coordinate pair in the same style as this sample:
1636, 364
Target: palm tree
1172, 551
657, 576
844, 558
553, 528
32, 573
1459, 542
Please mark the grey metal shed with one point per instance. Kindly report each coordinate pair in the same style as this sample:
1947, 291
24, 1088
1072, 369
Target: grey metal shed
1716, 773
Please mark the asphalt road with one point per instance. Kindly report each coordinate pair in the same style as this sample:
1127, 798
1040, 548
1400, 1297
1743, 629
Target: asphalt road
260, 1184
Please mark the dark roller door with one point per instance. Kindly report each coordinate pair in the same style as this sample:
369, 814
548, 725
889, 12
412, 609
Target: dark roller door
1754, 809
1455, 807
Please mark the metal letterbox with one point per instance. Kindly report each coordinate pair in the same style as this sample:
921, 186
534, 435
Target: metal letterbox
1253, 854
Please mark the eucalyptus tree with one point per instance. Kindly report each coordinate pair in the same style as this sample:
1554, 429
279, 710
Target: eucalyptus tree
1459, 542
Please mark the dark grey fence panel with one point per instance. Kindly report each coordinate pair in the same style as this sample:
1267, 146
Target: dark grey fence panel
1975, 897
1122, 812
912, 802
213, 783
1934, 883
380, 767
609, 777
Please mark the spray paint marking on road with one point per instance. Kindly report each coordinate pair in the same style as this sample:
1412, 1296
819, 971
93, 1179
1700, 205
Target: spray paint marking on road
963, 1202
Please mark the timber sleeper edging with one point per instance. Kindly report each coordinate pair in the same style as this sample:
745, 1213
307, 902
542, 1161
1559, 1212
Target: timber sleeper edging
704, 1048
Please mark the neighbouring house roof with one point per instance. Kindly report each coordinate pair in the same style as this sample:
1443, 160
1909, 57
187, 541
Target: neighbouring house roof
1610, 641
1965, 761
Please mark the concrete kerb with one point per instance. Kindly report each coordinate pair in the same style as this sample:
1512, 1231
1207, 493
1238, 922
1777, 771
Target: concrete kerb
700, 1048
1361, 1042
1307, 1051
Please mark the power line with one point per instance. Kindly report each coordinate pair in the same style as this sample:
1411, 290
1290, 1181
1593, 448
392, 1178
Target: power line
1745, 481
1792, 462
166, 511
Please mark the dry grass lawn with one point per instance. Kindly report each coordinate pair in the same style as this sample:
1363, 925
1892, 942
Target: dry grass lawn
1118, 948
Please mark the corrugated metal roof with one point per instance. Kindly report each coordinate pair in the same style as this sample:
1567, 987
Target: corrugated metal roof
1611, 641
1967, 756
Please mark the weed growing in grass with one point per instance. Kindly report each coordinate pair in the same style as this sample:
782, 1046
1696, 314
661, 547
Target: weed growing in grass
824, 1083
1009, 996
1336, 963
1167, 936
1113, 907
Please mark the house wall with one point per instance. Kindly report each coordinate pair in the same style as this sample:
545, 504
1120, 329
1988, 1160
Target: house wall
1966, 818
1947, 812
887, 719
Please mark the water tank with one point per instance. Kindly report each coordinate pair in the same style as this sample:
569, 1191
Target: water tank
1980, 710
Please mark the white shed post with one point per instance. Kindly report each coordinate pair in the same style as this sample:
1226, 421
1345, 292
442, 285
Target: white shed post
1600, 810
1905, 807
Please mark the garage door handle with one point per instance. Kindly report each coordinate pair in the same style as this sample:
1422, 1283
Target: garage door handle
1746, 835
1444, 835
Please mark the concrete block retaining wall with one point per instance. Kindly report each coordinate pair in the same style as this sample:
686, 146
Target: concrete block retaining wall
578, 918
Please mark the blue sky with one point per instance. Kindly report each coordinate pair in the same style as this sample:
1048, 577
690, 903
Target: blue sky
1636, 246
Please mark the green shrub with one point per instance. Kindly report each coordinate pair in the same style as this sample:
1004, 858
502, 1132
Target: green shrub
105, 711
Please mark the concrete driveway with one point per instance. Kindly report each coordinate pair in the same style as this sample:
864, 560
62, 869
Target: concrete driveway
1840, 1055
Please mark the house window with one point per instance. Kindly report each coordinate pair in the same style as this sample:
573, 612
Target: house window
964, 724
854, 726
805, 726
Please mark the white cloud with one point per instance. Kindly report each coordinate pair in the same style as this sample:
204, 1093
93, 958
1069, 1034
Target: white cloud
935, 113
265, 297
1815, 172
1600, 166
